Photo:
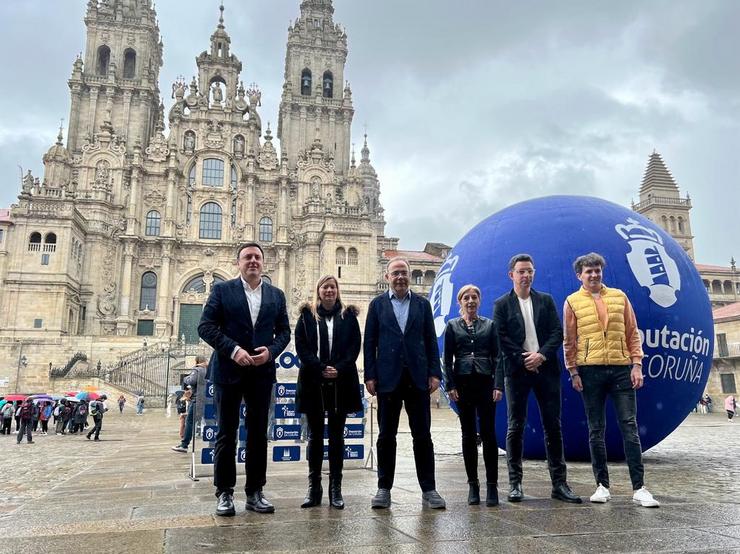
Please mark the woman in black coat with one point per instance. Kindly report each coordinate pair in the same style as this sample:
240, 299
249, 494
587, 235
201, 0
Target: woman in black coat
327, 340
474, 381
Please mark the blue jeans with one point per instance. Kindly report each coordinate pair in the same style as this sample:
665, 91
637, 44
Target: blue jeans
613, 381
189, 420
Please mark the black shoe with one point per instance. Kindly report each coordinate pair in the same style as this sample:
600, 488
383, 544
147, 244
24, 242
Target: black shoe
516, 494
258, 503
335, 493
381, 500
491, 495
473, 493
563, 492
225, 506
88, 437
313, 495
96, 439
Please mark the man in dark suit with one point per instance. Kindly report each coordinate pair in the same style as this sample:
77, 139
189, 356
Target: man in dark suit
246, 322
530, 334
402, 367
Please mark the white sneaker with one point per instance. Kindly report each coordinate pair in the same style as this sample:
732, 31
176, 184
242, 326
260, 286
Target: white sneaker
645, 499
601, 496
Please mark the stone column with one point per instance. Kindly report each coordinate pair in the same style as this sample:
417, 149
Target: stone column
281, 276
163, 323
93, 108
125, 320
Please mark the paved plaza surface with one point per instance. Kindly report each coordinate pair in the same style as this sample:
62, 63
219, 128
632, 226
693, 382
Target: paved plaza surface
130, 493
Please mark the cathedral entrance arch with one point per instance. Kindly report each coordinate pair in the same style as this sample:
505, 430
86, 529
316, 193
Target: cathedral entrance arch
192, 298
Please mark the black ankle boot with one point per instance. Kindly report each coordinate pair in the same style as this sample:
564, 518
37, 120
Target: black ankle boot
473, 493
491, 495
314, 494
335, 493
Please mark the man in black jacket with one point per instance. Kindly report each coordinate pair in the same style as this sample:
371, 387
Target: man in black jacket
530, 334
246, 322
191, 381
97, 409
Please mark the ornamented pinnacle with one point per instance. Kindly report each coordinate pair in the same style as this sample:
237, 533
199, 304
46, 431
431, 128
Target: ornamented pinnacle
221, 17
60, 136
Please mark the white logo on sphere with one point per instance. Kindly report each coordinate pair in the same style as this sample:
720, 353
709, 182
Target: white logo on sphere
442, 294
650, 263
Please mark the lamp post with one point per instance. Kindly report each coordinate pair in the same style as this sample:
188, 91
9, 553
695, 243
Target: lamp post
22, 361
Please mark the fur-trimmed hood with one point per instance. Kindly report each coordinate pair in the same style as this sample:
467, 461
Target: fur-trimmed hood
305, 308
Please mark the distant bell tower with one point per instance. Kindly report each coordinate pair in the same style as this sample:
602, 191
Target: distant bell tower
115, 82
661, 202
316, 103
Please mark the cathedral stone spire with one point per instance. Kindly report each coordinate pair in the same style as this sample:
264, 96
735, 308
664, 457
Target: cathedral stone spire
661, 202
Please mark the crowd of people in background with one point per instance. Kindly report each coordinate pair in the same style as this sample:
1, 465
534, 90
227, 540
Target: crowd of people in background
69, 416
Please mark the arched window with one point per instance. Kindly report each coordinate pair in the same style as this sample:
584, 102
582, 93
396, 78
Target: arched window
673, 224
238, 145
717, 287
103, 60
148, 296
213, 172
664, 222
153, 220
34, 242
417, 277
306, 82
328, 84
352, 256
50, 242
706, 285
265, 229
429, 277
341, 256
728, 287
266, 279
210, 221
680, 225
191, 177
129, 63
196, 285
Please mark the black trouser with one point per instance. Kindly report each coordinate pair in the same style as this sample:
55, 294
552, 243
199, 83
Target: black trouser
7, 423
256, 393
96, 430
44, 425
416, 402
476, 405
315, 449
600, 382
25, 429
546, 388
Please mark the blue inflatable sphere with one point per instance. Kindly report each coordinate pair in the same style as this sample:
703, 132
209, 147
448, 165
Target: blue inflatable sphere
671, 304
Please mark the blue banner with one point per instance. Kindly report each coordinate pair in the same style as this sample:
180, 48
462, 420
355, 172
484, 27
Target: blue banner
209, 411
351, 452
242, 433
206, 456
286, 453
356, 415
351, 431
209, 433
285, 411
286, 432
285, 390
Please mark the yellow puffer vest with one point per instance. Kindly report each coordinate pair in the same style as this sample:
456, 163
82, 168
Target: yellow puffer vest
596, 345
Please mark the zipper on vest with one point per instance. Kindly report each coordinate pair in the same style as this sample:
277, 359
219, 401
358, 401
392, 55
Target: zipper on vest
585, 356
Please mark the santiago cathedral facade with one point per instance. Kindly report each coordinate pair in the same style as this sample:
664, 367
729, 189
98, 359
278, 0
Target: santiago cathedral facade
130, 226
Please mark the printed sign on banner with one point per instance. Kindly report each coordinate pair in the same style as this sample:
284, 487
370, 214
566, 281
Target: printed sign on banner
285, 390
241, 455
285, 411
206, 456
209, 411
209, 433
351, 431
209, 390
243, 411
351, 452
286, 432
286, 454
356, 415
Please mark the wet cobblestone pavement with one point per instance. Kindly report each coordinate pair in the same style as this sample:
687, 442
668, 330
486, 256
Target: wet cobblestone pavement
130, 493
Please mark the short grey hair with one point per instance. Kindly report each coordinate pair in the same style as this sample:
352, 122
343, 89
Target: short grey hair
397, 259
200, 359
592, 259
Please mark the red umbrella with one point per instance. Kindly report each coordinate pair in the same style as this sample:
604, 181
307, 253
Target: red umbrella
70, 393
15, 397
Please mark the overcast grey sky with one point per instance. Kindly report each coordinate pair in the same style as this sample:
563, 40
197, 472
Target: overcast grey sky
471, 105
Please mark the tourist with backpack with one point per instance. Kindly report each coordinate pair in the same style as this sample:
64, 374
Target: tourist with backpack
80, 417
25, 416
65, 415
97, 409
44, 415
8, 410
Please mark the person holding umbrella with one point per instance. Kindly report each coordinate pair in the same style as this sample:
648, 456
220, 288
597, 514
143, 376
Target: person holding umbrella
25, 417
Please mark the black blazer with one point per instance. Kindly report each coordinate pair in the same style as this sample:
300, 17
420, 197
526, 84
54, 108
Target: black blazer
464, 357
509, 323
226, 323
387, 348
345, 349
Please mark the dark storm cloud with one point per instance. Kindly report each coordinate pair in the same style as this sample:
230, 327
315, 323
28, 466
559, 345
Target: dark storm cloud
470, 106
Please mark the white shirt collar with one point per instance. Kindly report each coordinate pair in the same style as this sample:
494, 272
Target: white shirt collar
248, 288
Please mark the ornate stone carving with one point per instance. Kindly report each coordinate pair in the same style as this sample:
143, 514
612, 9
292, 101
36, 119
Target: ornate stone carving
107, 300
215, 136
268, 158
155, 198
158, 150
266, 204
102, 175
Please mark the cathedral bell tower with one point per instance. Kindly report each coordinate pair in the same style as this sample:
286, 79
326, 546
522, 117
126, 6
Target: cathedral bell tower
114, 84
315, 104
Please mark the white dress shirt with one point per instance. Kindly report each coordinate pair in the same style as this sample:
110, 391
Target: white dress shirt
531, 344
254, 301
